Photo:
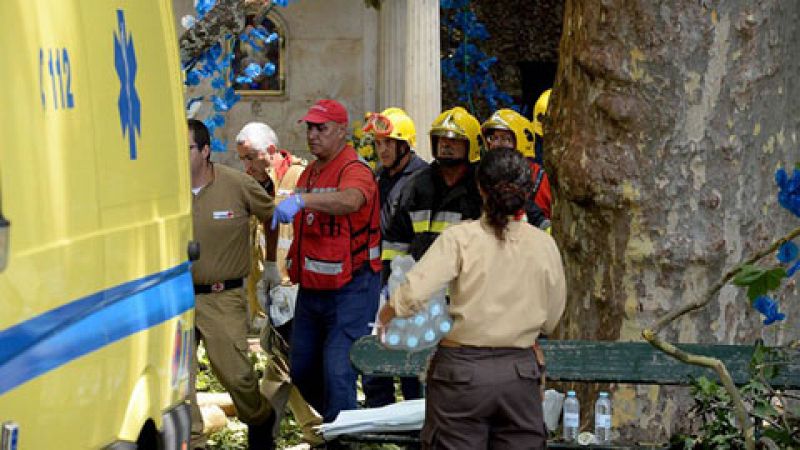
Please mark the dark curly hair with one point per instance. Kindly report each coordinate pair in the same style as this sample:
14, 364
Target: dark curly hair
505, 178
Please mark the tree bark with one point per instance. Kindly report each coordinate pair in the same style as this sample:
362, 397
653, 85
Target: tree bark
667, 122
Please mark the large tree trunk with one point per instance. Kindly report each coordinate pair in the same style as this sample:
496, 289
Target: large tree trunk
668, 120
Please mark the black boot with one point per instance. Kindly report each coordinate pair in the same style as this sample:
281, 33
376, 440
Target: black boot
259, 437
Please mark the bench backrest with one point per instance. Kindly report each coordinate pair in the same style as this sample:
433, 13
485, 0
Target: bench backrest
593, 361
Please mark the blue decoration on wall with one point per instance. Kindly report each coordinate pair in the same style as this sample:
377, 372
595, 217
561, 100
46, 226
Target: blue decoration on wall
130, 108
789, 190
468, 66
769, 308
203, 7
215, 63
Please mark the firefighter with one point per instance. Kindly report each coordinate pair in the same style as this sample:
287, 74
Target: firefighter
539, 113
395, 139
507, 128
443, 194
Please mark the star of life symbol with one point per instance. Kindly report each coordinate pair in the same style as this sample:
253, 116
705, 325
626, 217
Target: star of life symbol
130, 116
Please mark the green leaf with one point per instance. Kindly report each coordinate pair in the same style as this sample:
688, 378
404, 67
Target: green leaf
765, 410
767, 281
747, 275
768, 360
706, 386
779, 435
760, 354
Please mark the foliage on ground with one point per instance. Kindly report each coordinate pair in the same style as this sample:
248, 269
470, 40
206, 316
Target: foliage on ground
776, 413
234, 435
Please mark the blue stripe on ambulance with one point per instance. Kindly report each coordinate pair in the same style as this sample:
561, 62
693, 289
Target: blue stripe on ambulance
54, 338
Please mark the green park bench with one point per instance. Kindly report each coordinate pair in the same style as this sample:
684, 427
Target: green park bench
577, 361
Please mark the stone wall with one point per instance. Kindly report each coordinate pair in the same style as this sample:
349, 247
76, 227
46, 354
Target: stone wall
331, 52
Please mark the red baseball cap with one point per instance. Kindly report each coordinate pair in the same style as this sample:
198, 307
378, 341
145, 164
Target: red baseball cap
326, 110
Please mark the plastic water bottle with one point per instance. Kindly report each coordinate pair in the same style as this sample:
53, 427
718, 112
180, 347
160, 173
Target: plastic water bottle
443, 324
602, 419
395, 280
411, 341
437, 307
399, 266
394, 338
572, 417
396, 333
429, 335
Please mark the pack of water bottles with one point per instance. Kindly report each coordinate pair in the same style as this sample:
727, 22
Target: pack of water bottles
425, 328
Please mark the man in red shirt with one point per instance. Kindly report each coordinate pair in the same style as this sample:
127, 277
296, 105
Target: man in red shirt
335, 259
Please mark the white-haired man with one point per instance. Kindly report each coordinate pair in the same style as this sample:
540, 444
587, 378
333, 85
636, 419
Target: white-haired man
269, 287
258, 149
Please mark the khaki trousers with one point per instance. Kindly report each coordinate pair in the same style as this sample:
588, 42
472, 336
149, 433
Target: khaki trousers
278, 388
221, 321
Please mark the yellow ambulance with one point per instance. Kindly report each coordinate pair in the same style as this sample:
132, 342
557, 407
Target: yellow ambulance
96, 301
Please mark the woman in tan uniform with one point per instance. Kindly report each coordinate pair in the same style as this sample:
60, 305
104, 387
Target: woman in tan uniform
506, 284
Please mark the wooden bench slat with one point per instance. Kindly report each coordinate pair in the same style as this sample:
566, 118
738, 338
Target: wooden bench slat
594, 362
371, 358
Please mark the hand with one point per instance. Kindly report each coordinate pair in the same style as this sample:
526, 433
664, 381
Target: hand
385, 315
287, 209
259, 174
272, 276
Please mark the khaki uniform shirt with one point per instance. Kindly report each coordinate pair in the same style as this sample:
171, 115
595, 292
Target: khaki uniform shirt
502, 293
283, 189
221, 216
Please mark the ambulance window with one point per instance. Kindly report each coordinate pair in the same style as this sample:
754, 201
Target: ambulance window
270, 55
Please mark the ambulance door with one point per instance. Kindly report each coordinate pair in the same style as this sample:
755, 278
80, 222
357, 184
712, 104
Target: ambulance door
140, 137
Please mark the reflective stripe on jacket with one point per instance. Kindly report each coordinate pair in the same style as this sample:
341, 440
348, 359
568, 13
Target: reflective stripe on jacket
322, 251
427, 207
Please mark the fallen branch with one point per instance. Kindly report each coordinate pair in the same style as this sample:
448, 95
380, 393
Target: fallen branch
651, 336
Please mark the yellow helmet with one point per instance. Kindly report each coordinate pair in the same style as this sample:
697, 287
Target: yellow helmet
539, 110
508, 119
457, 123
392, 123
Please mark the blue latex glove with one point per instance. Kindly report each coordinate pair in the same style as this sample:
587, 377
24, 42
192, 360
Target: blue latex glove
287, 209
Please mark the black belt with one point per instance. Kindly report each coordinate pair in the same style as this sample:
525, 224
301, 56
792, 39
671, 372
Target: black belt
219, 286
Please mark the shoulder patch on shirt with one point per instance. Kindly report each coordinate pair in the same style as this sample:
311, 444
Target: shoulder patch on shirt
218, 215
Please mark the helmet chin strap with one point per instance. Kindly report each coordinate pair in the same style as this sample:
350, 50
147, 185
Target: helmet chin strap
451, 162
401, 153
